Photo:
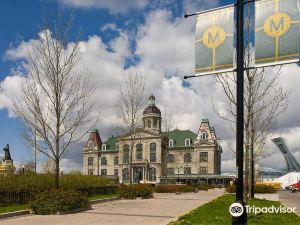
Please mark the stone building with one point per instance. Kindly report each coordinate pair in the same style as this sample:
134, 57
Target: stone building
155, 156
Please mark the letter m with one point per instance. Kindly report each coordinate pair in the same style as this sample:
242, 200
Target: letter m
215, 38
279, 25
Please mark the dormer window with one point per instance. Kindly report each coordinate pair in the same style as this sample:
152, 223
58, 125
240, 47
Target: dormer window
103, 147
204, 135
187, 142
171, 143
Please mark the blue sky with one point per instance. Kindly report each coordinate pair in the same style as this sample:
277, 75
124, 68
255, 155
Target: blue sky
127, 33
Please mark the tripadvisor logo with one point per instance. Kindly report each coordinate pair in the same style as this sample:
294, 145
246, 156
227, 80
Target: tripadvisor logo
237, 209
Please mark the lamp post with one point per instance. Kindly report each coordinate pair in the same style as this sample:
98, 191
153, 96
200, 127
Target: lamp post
178, 170
23, 169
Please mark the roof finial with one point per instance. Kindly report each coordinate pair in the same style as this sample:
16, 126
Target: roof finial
152, 100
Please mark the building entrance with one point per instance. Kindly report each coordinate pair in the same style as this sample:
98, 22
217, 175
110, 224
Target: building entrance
137, 174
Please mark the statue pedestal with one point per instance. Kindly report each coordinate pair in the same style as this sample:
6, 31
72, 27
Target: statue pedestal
7, 167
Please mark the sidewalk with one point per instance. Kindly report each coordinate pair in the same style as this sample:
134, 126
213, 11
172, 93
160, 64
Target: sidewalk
160, 210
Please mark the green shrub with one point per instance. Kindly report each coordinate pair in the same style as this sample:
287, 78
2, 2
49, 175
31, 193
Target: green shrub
172, 188
50, 202
19, 189
135, 191
261, 188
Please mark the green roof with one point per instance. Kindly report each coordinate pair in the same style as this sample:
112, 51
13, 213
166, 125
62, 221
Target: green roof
179, 136
111, 143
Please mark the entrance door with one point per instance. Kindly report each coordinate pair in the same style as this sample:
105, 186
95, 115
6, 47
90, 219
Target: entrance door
137, 174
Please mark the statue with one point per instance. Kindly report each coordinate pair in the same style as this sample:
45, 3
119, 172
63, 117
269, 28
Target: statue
7, 153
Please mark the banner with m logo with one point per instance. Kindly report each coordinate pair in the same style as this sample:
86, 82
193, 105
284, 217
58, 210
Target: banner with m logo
277, 31
214, 41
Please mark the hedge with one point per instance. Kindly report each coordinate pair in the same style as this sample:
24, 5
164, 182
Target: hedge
53, 201
19, 189
261, 188
134, 191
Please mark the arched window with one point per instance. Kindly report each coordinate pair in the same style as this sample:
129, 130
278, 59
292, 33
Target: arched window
187, 157
204, 135
139, 152
187, 142
171, 143
153, 152
125, 153
103, 161
103, 147
170, 158
116, 160
155, 124
149, 123
152, 174
125, 174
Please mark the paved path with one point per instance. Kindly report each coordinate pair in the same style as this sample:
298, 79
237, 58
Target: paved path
290, 199
159, 211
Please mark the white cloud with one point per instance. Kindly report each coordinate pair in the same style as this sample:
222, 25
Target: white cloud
165, 46
114, 6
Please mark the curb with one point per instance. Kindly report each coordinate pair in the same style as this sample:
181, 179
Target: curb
16, 213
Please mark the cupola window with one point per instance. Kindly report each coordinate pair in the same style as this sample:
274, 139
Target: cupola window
104, 147
187, 142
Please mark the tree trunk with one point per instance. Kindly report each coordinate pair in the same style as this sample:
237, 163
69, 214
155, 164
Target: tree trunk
57, 173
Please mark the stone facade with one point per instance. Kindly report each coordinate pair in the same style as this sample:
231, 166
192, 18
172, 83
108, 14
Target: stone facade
154, 155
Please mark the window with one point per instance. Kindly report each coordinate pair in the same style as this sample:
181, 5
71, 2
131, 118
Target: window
152, 174
125, 174
103, 147
149, 123
91, 144
203, 157
203, 170
125, 153
171, 171
187, 157
104, 172
187, 170
90, 172
90, 161
204, 135
187, 142
139, 152
153, 152
116, 172
155, 124
103, 161
116, 160
171, 158
171, 143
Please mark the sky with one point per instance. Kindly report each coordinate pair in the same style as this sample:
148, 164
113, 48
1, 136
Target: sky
117, 37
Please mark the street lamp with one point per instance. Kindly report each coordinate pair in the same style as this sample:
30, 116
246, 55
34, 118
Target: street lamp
62, 171
23, 169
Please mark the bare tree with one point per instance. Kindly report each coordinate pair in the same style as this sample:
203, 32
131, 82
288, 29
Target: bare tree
55, 102
264, 100
129, 110
167, 124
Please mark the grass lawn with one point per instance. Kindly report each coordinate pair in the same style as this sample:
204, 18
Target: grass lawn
216, 212
12, 208
95, 197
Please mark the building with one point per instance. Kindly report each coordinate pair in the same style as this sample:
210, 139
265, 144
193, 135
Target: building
178, 155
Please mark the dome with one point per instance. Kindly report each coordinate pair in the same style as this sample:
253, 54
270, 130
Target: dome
152, 108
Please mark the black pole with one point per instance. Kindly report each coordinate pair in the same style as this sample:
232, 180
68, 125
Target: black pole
241, 220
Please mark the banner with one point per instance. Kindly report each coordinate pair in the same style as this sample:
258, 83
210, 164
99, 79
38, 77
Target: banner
277, 31
214, 41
